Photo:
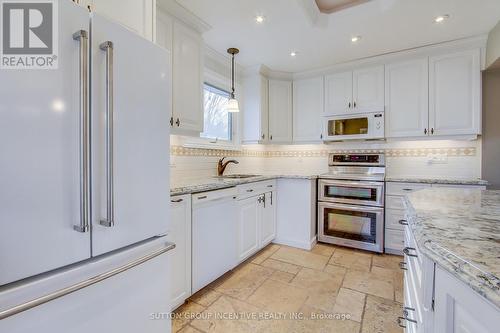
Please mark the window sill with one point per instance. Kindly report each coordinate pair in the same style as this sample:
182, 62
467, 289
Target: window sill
209, 145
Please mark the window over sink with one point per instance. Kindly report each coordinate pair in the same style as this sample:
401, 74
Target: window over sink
217, 122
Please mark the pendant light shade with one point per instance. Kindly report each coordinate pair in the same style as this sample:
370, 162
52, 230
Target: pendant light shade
232, 105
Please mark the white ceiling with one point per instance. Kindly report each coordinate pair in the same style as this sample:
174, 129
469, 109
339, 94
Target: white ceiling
385, 26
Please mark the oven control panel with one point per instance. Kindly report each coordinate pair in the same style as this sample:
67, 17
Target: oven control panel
360, 159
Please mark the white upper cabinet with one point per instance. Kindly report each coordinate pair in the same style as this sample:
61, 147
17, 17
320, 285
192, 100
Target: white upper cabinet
338, 93
361, 90
406, 96
368, 89
280, 111
137, 15
187, 111
454, 93
255, 109
308, 104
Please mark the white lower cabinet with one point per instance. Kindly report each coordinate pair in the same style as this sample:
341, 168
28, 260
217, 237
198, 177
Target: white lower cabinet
256, 217
180, 258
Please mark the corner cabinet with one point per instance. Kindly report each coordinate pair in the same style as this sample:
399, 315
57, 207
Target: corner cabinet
308, 102
138, 15
280, 111
361, 90
255, 109
455, 93
180, 257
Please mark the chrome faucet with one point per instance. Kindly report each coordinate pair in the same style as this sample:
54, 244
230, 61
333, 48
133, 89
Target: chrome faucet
221, 165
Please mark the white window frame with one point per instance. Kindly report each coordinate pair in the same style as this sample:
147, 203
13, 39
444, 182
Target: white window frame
219, 81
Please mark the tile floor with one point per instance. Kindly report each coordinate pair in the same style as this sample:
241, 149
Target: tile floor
284, 289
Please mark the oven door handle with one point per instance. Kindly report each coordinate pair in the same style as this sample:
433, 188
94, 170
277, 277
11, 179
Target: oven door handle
352, 183
351, 207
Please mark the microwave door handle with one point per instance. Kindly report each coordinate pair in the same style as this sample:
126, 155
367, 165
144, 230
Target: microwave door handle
354, 208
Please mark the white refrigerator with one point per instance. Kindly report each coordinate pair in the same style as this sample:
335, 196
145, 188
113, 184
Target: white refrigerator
84, 184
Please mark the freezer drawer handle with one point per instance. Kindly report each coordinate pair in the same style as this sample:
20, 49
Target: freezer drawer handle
83, 284
82, 37
109, 221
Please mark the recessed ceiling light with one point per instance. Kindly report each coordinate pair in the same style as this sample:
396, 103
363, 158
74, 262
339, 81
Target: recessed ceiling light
441, 18
293, 53
260, 18
355, 39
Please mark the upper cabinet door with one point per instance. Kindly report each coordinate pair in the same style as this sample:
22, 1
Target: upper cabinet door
188, 79
137, 15
40, 161
280, 111
308, 102
368, 89
406, 96
140, 132
338, 93
454, 93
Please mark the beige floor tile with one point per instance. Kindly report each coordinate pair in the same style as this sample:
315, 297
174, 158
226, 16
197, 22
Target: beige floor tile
381, 316
247, 322
386, 261
396, 276
275, 296
350, 259
323, 249
184, 314
265, 253
205, 296
282, 276
189, 329
323, 301
350, 302
300, 257
369, 283
318, 282
245, 281
281, 266
334, 269
328, 324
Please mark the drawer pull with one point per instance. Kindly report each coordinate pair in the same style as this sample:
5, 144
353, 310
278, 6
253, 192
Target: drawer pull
177, 200
403, 222
407, 189
407, 250
402, 265
401, 321
202, 197
250, 190
269, 185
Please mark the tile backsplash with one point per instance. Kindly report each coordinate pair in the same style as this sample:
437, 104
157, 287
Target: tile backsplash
431, 159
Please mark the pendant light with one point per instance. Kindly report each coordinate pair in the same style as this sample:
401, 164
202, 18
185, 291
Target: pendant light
232, 105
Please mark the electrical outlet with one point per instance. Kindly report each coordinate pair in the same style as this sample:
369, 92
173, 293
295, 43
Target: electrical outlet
437, 158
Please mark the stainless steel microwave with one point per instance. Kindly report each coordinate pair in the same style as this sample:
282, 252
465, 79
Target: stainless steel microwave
354, 127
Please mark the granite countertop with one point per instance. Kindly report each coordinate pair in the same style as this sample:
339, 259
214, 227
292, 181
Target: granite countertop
215, 183
459, 230
437, 181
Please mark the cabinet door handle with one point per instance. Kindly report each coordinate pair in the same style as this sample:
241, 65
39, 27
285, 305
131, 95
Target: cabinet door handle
171, 121
425, 131
84, 226
177, 200
402, 265
269, 185
403, 222
202, 197
263, 136
250, 190
354, 104
271, 198
407, 250
349, 105
109, 221
178, 122
321, 136
432, 131
407, 189
270, 137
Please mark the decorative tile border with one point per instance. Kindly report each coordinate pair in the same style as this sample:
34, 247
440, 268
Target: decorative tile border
390, 152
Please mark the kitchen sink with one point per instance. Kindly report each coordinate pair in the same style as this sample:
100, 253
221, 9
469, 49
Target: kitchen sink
238, 176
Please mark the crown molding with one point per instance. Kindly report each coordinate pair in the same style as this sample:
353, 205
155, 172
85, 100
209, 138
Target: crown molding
174, 8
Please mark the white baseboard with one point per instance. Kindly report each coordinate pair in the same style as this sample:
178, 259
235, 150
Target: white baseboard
294, 243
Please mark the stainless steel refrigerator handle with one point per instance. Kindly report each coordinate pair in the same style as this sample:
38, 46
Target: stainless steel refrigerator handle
84, 226
83, 284
109, 221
